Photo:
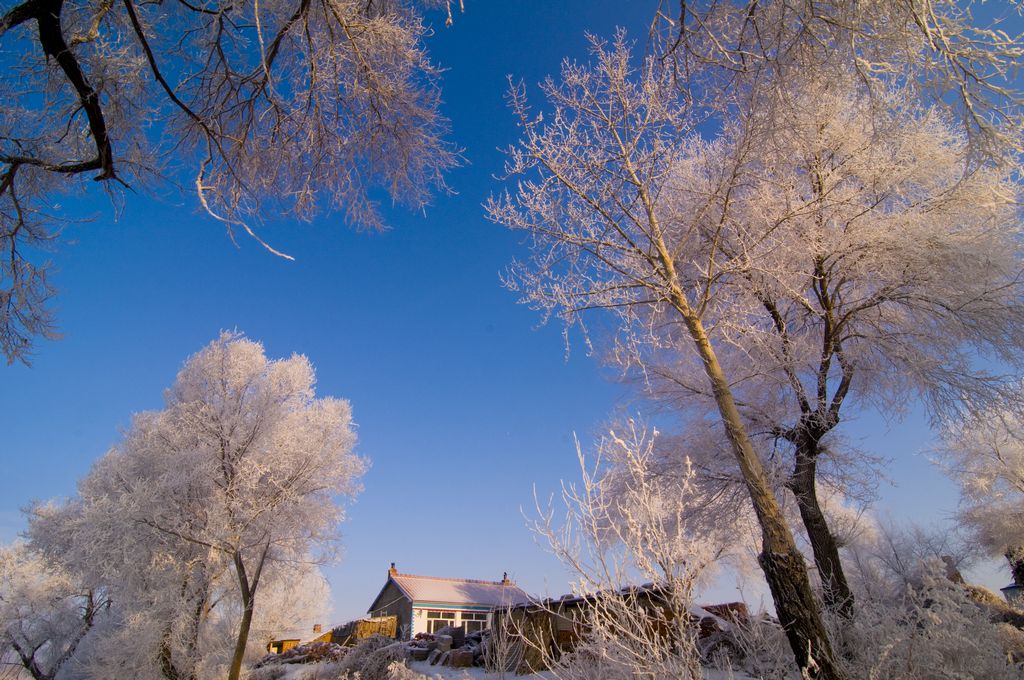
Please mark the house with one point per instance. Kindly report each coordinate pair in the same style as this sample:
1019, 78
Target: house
425, 604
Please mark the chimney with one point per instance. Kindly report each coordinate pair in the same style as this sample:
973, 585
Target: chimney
317, 629
392, 571
504, 579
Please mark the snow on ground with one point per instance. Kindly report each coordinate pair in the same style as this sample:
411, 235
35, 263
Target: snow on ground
446, 673
296, 671
475, 673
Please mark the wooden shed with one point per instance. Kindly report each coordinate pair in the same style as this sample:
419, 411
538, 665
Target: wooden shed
546, 629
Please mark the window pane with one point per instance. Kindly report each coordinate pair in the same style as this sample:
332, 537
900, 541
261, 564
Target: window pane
433, 615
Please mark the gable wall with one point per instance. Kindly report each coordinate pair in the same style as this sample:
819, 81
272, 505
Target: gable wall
392, 602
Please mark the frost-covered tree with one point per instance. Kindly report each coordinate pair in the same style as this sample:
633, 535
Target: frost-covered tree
936, 48
985, 456
595, 198
884, 557
205, 504
870, 266
166, 596
278, 108
816, 244
44, 613
937, 54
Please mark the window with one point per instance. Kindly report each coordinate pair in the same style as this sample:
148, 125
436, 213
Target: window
474, 621
471, 622
436, 620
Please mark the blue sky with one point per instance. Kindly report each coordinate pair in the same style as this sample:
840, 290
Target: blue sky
463, 404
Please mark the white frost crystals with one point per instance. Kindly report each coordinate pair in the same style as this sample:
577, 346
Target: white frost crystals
230, 486
985, 456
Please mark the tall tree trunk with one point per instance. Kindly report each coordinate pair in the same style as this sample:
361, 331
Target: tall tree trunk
247, 588
836, 589
781, 561
248, 603
242, 640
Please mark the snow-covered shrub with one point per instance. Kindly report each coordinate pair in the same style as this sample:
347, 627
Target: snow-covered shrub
320, 671
1011, 640
272, 672
356, 656
761, 650
936, 631
378, 664
626, 524
372, 657
643, 655
399, 671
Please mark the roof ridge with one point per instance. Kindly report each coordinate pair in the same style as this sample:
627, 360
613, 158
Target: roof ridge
459, 580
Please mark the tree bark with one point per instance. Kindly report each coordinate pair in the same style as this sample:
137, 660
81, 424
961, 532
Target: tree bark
243, 639
247, 587
51, 38
781, 561
836, 589
248, 602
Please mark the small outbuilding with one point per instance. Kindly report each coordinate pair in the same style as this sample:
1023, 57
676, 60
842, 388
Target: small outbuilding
290, 639
425, 604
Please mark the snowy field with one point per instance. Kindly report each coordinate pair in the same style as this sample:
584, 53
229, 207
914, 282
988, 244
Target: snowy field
445, 673
424, 669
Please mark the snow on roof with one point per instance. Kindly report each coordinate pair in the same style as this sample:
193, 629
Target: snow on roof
459, 591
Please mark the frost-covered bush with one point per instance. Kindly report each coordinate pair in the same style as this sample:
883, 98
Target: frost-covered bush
372, 658
761, 650
399, 671
272, 672
933, 629
625, 524
320, 671
936, 631
644, 656
377, 665
356, 656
